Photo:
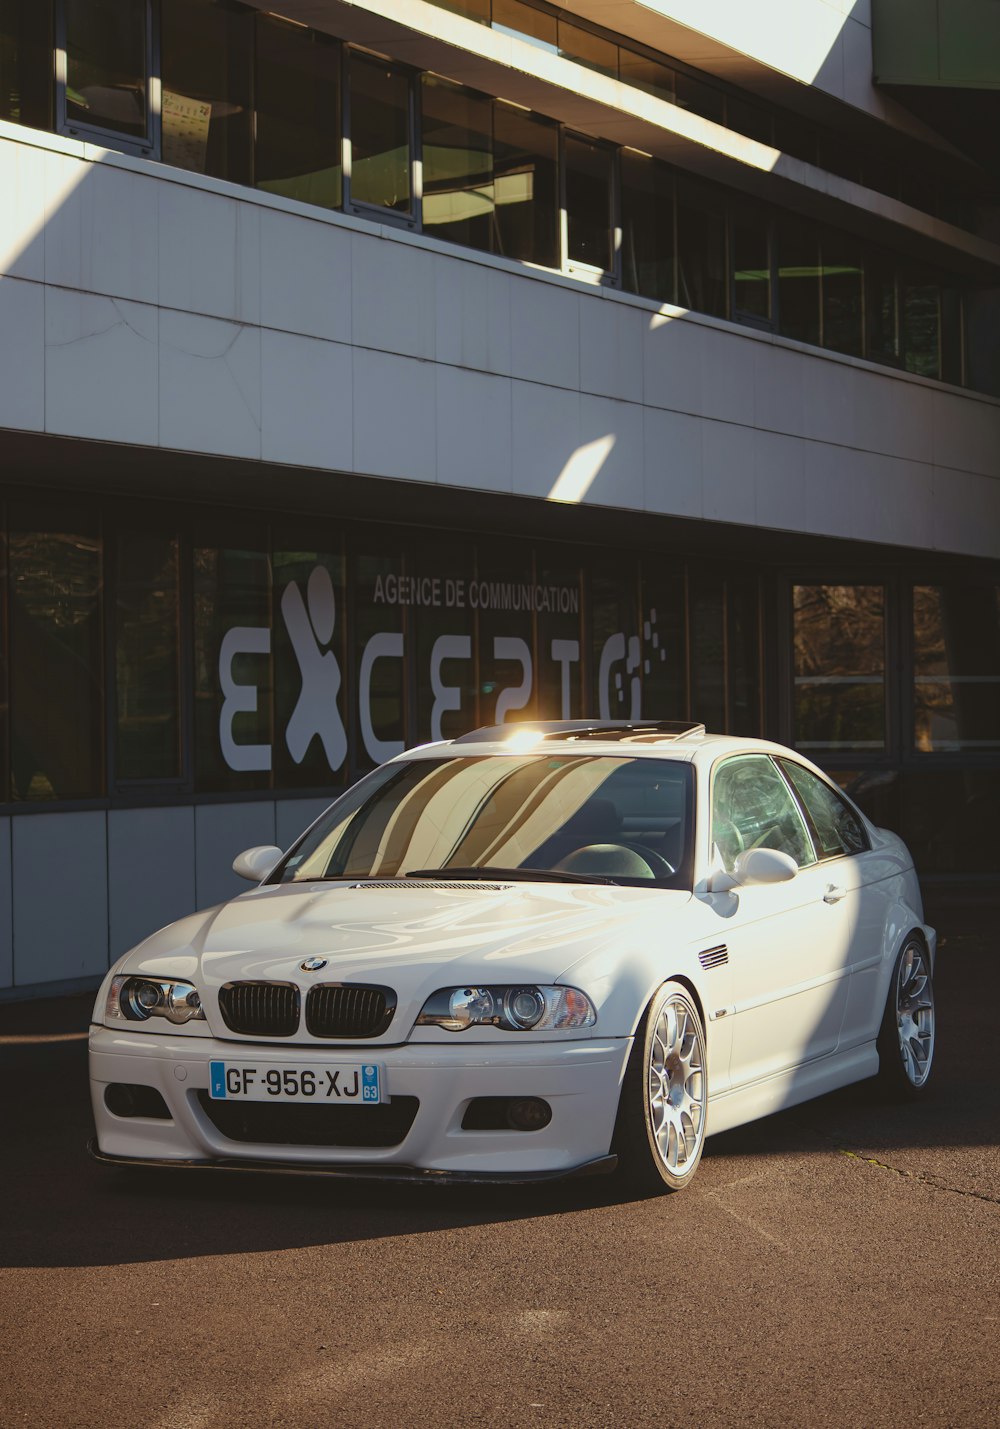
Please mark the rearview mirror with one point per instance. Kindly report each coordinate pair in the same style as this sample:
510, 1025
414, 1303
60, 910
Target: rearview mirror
256, 863
764, 865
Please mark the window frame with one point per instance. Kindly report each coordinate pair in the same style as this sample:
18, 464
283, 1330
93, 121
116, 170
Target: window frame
731, 758
781, 760
573, 268
147, 147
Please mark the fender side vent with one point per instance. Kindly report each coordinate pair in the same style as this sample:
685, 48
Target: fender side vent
714, 957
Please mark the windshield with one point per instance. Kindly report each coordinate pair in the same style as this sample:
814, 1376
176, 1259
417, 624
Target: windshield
590, 818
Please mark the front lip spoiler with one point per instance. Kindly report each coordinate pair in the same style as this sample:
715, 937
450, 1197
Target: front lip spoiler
601, 1166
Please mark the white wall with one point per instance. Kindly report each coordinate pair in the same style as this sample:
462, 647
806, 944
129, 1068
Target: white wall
146, 306
79, 889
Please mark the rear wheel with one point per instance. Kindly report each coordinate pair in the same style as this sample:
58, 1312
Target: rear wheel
660, 1130
906, 1039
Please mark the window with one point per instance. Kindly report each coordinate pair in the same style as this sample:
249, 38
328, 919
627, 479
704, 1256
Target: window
589, 221
798, 279
105, 85
839, 647
206, 84
26, 63
836, 828
708, 651
586, 48
753, 808
232, 658
56, 647
298, 148
956, 668
309, 645
147, 656
920, 324
751, 265
881, 309
380, 136
647, 209
646, 74
843, 293
457, 151
511, 17
701, 248
525, 169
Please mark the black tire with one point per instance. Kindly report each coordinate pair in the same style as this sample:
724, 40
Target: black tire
649, 1164
907, 1036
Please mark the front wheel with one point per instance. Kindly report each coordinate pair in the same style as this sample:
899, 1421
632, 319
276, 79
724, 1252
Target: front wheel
906, 1038
660, 1129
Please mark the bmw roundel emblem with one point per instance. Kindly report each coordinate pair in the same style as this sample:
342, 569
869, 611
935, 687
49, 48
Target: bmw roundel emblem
312, 965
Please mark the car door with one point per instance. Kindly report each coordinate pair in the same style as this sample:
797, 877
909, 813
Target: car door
789, 948
846, 861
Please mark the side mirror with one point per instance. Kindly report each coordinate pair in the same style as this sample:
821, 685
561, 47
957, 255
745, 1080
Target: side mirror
764, 865
256, 863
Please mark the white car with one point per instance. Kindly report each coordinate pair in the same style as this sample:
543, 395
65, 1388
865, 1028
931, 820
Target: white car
530, 952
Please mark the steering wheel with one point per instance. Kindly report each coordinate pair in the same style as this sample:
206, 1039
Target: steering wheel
657, 863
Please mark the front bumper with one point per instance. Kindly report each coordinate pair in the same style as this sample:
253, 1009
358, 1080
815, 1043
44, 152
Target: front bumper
580, 1080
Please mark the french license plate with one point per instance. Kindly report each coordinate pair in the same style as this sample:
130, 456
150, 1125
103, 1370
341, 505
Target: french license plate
355, 1084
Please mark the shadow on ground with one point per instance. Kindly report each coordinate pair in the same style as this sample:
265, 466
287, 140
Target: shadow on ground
59, 1208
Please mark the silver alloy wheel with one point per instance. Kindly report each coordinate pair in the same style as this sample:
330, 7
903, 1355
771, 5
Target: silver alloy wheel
915, 1013
677, 1086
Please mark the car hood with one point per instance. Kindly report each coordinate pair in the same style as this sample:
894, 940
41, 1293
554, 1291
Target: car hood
413, 938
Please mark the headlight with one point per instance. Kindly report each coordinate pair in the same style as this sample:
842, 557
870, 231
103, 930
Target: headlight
512, 1008
136, 999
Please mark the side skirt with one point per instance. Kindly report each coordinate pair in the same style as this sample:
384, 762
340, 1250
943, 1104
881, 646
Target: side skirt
800, 1084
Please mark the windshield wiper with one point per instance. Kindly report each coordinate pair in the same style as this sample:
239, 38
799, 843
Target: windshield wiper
523, 875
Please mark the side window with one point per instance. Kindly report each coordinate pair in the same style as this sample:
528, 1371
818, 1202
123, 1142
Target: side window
836, 826
752, 807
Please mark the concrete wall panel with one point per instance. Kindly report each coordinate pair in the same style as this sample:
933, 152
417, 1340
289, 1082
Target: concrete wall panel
22, 361
306, 401
60, 904
221, 831
151, 872
305, 276
101, 360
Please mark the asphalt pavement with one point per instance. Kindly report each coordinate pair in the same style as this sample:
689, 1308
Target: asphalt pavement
838, 1264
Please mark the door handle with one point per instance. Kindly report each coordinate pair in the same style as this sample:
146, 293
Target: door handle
834, 894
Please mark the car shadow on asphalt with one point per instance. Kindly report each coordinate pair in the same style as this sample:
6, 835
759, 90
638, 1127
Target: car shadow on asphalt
58, 1208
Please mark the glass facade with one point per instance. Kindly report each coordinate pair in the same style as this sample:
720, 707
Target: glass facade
207, 653
259, 100
202, 654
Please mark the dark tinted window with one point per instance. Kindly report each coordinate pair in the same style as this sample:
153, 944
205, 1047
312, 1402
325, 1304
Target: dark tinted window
843, 293
457, 148
297, 152
701, 249
26, 63
798, 279
647, 206
56, 664
380, 135
836, 828
956, 667
525, 169
588, 203
106, 59
206, 84
147, 656
751, 263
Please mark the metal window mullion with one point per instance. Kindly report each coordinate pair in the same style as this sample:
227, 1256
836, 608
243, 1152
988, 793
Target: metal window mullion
416, 153
563, 254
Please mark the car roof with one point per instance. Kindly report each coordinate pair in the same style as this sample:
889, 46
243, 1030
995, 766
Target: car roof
656, 739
